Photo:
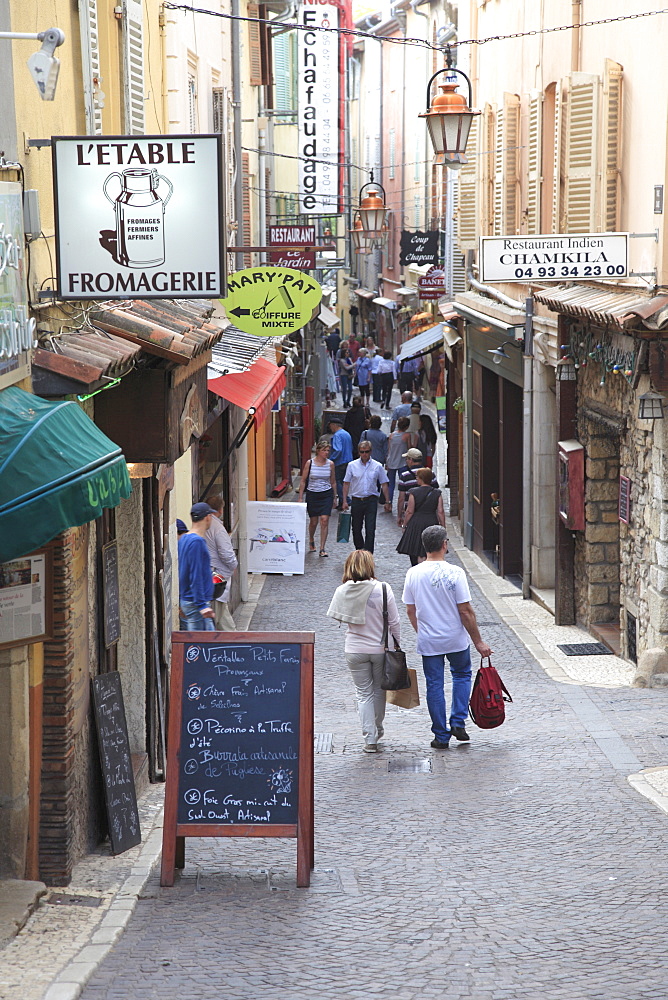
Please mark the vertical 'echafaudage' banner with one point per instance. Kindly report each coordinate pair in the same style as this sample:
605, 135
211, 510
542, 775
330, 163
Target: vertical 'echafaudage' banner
318, 94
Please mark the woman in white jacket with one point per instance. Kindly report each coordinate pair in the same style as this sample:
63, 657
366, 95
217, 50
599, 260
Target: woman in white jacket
359, 603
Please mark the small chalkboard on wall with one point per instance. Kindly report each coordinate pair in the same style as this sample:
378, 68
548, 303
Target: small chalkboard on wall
110, 593
116, 762
240, 742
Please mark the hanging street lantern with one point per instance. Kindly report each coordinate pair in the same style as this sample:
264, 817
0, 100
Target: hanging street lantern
449, 119
358, 238
372, 209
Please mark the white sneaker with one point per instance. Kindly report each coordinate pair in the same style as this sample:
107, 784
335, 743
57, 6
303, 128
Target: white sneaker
370, 748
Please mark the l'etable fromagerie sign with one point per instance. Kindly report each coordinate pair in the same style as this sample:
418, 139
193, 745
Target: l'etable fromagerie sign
138, 217
554, 258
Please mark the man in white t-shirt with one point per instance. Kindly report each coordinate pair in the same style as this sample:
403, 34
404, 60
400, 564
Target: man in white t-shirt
438, 604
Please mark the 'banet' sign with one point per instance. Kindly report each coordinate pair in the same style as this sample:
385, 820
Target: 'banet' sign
573, 257
138, 216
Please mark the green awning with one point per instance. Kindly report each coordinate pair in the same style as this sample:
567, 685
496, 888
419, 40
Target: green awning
57, 470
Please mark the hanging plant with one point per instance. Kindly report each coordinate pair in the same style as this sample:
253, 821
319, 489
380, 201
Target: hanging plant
459, 405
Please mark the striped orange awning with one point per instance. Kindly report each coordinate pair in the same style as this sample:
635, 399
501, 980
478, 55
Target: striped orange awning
254, 390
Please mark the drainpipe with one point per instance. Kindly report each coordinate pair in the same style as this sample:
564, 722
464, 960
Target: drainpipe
576, 6
527, 451
493, 293
261, 137
427, 153
238, 180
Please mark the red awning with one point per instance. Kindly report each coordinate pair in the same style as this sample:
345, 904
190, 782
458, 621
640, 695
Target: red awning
257, 389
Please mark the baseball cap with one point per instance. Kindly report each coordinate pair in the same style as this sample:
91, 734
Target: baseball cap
180, 526
199, 511
412, 453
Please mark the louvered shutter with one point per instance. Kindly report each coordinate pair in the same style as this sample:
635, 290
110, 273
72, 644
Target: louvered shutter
466, 211
506, 173
580, 154
133, 68
218, 99
254, 45
486, 158
246, 235
282, 75
534, 173
457, 266
90, 64
611, 131
557, 162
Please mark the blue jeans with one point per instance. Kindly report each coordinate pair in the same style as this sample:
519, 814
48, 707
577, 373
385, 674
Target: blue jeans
346, 389
434, 670
392, 478
194, 621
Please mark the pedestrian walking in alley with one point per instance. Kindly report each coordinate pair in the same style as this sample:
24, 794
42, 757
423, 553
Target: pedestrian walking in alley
340, 452
385, 373
426, 439
425, 508
319, 483
378, 439
359, 603
398, 445
402, 409
346, 370
356, 421
438, 605
376, 378
223, 561
363, 373
407, 480
362, 479
195, 577
353, 346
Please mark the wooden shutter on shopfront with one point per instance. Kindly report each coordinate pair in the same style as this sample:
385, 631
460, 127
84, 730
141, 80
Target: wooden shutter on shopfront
611, 158
579, 154
466, 211
506, 166
90, 65
534, 164
133, 68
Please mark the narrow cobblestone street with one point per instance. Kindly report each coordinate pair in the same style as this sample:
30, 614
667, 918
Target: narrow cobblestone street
523, 866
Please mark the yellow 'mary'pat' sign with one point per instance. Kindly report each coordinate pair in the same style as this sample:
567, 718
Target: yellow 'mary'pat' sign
271, 301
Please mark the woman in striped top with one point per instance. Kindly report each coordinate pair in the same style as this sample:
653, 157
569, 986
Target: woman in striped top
319, 483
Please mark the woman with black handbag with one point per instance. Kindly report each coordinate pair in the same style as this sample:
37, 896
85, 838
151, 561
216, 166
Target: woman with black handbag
359, 603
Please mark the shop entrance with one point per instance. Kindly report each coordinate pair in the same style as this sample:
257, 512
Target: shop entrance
496, 470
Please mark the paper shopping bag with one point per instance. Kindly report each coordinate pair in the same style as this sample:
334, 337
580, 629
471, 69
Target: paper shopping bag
408, 697
343, 529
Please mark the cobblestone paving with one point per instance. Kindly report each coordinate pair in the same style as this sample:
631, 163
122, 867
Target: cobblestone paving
520, 867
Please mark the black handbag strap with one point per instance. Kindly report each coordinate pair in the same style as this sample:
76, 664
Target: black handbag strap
386, 619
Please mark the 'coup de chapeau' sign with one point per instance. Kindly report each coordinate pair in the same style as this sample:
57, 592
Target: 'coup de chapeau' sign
138, 216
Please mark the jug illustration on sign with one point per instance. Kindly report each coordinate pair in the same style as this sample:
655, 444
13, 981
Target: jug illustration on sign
140, 211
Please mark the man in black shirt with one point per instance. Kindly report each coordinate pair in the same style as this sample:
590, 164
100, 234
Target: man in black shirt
407, 480
332, 343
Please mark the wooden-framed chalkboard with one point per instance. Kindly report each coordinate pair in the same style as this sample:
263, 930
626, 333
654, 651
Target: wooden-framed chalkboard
117, 776
240, 742
110, 594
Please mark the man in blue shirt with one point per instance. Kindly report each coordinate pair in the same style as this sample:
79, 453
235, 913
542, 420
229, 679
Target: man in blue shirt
341, 452
195, 576
363, 478
402, 410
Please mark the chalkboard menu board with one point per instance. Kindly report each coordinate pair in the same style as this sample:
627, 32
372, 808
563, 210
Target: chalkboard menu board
240, 741
118, 779
111, 602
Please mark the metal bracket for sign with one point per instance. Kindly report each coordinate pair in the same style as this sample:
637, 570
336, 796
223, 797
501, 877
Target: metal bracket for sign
645, 236
643, 274
38, 143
